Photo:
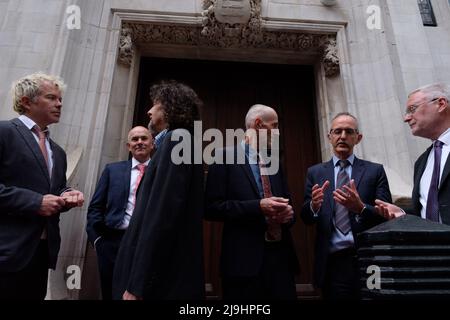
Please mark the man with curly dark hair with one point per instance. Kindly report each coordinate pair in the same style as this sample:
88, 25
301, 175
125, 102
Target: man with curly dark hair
161, 255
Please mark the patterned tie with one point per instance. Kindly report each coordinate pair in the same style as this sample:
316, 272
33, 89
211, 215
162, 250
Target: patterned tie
342, 220
141, 167
273, 229
42, 136
433, 201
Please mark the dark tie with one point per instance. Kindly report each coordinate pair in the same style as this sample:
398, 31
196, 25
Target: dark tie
432, 200
273, 230
341, 217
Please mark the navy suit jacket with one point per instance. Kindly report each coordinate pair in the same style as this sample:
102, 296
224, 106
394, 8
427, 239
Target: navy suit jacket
444, 187
371, 183
24, 180
232, 196
109, 202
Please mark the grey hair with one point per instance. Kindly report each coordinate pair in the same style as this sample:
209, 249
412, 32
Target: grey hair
434, 90
29, 85
257, 110
346, 114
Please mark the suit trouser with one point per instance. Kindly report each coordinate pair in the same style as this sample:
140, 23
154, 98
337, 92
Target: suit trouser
275, 281
342, 276
107, 248
29, 283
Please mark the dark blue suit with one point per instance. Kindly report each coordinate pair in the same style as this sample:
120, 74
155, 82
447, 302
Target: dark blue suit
105, 215
371, 183
24, 180
232, 196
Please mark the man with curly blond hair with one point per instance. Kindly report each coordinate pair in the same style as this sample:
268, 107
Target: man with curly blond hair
33, 189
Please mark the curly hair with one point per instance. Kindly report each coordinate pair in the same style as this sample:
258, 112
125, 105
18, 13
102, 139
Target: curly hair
180, 102
29, 86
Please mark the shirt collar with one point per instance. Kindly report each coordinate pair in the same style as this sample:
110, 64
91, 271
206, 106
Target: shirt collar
350, 159
445, 137
134, 163
251, 153
29, 123
159, 138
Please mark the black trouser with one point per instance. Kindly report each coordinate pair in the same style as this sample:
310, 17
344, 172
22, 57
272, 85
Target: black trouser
342, 280
275, 281
29, 283
107, 247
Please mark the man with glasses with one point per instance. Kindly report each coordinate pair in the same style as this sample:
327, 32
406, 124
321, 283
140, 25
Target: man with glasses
340, 197
428, 116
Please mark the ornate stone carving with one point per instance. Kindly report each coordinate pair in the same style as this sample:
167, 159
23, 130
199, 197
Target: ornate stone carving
330, 58
212, 33
126, 50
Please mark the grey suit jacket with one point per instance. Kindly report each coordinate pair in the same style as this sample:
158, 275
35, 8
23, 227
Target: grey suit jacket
24, 179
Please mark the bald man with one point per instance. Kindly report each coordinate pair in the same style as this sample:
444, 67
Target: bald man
258, 260
113, 203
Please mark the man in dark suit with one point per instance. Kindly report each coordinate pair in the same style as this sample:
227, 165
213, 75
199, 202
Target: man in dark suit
258, 260
339, 198
113, 203
33, 189
161, 254
428, 115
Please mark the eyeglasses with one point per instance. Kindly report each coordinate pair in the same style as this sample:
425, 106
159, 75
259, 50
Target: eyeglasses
412, 108
348, 131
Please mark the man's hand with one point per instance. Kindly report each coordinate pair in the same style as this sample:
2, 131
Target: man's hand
130, 296
317, 195
284, 216
388, 210
51, 205
73, 198
273, 206
348, 196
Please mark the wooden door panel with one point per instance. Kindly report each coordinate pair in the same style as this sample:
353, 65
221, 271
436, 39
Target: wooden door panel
228, 90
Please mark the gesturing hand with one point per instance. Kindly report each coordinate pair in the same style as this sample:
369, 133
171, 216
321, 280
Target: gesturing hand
318, 194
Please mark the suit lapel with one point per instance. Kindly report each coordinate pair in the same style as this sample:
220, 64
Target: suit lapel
127, 177
329, 175
33, 145
357, 171
248, 171
421, 168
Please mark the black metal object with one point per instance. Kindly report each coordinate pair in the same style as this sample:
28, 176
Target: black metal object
426, 11
413, 257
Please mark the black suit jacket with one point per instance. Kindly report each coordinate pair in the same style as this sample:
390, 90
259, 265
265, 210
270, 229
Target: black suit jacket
109, 202
444, 187
24, 179
161, 253
371, 183
232, 197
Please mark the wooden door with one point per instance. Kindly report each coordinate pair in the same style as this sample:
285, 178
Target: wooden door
228, 89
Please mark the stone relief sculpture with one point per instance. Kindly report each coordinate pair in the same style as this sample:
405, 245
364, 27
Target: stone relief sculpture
247, 32
126, 47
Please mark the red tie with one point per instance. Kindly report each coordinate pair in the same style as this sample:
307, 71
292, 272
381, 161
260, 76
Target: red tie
273, 229
42, 136
141, 168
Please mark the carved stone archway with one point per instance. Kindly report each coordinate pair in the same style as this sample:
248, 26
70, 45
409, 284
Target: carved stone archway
208, 32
